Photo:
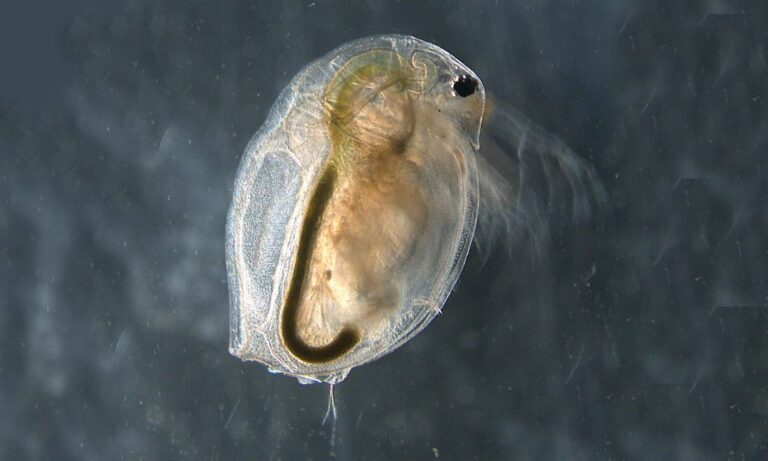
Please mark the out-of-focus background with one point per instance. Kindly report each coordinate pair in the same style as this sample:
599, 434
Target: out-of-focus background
639, 334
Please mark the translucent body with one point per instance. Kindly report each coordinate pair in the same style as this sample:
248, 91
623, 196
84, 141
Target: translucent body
354, 207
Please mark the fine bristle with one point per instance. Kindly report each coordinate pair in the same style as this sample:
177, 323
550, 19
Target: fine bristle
528, 177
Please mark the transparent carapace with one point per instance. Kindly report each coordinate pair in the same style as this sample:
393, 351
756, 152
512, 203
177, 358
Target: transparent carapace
354, 207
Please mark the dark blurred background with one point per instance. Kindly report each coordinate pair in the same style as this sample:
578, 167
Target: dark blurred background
639, 334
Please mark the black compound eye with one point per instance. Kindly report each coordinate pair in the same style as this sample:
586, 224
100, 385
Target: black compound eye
465, 85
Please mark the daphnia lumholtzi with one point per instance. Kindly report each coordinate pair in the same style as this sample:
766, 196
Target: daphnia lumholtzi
355, 205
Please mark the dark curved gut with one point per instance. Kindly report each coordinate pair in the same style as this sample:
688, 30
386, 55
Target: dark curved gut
348, 337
